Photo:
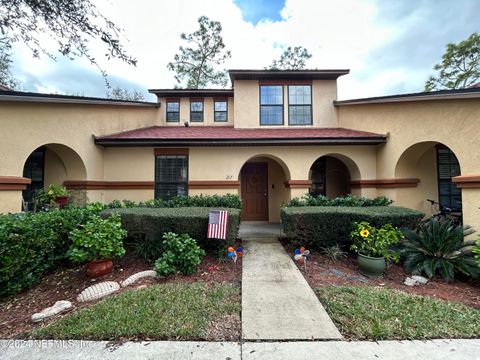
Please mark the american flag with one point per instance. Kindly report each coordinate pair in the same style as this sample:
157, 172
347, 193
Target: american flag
217, 224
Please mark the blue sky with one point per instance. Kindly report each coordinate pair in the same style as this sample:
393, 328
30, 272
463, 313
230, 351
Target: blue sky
255, 10
390, 47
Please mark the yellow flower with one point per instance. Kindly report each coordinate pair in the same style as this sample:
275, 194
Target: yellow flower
364, 233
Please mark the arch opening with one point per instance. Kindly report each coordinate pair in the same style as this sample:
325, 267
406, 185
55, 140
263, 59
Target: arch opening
434, 164
331, 175
52, 164
263, 188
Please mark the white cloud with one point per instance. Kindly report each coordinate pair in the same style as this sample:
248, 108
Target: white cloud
339, 34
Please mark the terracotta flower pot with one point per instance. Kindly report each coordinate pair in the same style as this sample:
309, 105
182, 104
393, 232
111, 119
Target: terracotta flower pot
99, 268
61, 201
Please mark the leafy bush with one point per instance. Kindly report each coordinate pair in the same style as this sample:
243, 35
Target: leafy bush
439, 247
375, 242
33, 243
97, 239
347, 200
180, 254
323, 226
152, 223
226, 201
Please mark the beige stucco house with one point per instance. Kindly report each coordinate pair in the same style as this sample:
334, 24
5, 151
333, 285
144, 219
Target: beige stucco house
273, 136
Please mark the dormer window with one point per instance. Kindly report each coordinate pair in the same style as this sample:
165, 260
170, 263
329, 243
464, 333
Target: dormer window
196, 110
173, 110
299, 105
271, 105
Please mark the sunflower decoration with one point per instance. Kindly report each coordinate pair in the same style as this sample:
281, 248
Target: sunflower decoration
364, 233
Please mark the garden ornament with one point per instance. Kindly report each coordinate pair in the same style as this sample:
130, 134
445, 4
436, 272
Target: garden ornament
301, 255
234, 254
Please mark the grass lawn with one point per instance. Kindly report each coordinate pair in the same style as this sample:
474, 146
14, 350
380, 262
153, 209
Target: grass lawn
377, 313
166, 311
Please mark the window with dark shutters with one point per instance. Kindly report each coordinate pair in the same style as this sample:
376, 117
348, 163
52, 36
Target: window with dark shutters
171, 176
447, 164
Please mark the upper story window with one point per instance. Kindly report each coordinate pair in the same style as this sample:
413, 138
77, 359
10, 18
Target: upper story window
299, 105
271, 105
196, 110
173, 111
220, 111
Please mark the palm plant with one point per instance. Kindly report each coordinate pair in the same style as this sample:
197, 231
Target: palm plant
439, 247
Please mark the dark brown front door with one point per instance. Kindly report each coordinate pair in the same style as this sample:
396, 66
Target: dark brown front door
254, 179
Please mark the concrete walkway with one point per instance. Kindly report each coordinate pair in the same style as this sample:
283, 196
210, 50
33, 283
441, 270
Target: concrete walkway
277, 302
179, 350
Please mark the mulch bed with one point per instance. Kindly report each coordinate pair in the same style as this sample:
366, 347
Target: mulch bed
322, 272
67, 283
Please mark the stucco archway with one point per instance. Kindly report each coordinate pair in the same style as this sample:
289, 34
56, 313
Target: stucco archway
263, 187
433, 164
52, 164
331, 174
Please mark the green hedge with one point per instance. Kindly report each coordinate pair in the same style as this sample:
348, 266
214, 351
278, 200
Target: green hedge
225, 201
347, 200
322, 226
153, 223
33, 243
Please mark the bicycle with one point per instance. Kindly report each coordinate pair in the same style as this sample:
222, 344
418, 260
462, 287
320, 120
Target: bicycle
443, 213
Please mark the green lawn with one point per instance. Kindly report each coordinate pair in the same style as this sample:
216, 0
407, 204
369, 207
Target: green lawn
167, 311
376, 313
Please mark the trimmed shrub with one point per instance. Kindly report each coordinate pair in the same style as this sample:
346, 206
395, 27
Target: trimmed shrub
33, 243
153, 223
225, 201
347, 200
324, 226
180, 254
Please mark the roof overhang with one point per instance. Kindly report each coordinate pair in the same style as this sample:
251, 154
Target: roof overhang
332, 74
192, 92
458, 94
29, 97
239, 142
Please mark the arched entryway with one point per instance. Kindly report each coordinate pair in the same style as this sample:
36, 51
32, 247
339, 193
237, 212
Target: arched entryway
331, 175
262, 188
52, 164
434, 165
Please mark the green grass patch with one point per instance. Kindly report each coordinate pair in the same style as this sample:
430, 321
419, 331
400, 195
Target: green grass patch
375, 313
166, 311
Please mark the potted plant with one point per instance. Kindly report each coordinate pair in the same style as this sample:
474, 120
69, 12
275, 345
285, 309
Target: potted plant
54, 194
374, 247
97, 242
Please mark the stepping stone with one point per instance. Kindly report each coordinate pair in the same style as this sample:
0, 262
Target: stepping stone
142, 274
57, 308
98, 291
337, 272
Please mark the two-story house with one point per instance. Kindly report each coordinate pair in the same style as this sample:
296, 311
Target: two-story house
275, 135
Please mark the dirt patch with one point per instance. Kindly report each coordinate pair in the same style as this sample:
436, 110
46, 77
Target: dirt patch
321, 272
227, 328
67, 283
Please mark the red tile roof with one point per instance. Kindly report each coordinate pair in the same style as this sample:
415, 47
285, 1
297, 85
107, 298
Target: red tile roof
223, 134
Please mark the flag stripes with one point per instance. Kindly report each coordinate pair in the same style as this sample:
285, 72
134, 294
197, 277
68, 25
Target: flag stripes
217, 224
